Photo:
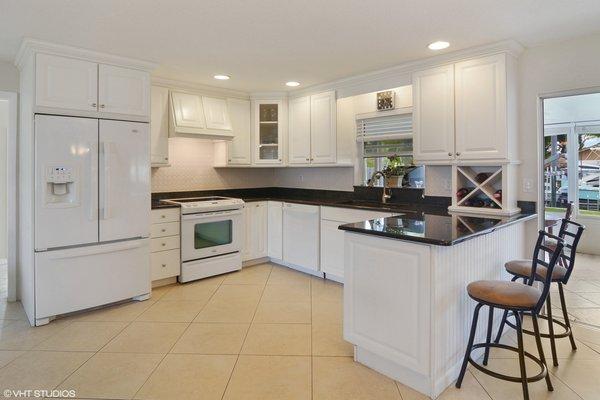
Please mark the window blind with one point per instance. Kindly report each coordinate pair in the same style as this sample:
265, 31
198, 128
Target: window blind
385, 127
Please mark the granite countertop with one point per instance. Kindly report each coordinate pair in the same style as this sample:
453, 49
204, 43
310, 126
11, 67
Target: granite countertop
442, 230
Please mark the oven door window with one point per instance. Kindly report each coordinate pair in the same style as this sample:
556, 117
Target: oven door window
211, 234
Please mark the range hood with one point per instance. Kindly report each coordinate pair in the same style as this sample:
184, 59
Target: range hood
193, 115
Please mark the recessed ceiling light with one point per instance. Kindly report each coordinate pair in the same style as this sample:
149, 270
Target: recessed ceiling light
222, 77
439, 45
292, 83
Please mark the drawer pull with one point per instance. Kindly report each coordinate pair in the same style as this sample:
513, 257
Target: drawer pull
163, 244
163, 265
163, 216
163, 230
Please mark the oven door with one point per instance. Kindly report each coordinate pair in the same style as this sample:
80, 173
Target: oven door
211, 234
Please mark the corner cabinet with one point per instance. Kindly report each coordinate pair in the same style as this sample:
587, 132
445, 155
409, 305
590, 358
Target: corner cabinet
268, 131
256, 226
239, 150
159, 126
466, 111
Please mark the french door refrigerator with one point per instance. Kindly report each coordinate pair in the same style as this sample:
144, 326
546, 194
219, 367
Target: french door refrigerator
92, 213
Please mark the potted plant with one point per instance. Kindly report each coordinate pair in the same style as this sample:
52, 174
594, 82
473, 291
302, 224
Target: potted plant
395, 170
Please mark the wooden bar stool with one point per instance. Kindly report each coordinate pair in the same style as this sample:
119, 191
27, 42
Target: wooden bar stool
518, 298
571, 233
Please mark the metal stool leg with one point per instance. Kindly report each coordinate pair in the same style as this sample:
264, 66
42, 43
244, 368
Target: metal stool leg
489, 336
522, 358
563, 304
538, 341
501, 328
463, 369
551, 331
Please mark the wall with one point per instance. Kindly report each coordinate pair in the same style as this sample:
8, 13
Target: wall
3, 215
192, 169
9, 77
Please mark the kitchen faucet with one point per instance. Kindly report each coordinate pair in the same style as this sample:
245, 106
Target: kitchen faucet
385, 196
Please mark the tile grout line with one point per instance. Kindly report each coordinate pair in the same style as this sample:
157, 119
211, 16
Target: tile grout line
247, 331
312, 359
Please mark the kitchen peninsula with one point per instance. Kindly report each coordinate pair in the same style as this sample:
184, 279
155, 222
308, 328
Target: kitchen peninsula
406, 308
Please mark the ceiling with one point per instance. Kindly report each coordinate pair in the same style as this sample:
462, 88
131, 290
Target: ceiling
264, 43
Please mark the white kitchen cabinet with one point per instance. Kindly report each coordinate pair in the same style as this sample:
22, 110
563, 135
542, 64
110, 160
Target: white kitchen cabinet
216, 113
275, 229
433, 114
256, 226
66, 83
123, 90
165, 243
323, 122
481, 108
301, 235
188, 111
239, 149
159, 126
268, 131
299, 132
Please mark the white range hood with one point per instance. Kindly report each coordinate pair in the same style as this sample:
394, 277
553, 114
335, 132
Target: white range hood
199, 116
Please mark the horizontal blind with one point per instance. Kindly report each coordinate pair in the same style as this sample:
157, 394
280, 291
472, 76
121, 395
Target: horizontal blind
386, 148
400, 124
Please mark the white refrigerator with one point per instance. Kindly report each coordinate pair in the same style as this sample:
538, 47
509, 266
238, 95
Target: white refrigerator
92, 213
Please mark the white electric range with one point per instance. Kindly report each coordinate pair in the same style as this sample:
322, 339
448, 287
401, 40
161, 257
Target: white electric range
211, 236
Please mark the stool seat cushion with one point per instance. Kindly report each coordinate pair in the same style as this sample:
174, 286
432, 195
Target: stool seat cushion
523, 268
503, 294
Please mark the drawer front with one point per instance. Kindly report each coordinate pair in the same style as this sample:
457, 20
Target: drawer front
166, 229
165, 264
349, 215
161, 215
164, 243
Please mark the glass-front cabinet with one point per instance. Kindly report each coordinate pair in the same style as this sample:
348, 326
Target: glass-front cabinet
268, 123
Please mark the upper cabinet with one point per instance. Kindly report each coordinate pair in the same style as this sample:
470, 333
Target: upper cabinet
268, 131
187, 112
159, 126
466, 111
216, 113
73, 86
202, 116
239, 149
312, 129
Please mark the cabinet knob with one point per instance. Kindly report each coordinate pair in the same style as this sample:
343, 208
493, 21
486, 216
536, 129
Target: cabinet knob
163, 216
163, 230
102, 105
94, 105
450, 154
308, 159
229, 160
280, 159
163, 265
163, 244
458, 153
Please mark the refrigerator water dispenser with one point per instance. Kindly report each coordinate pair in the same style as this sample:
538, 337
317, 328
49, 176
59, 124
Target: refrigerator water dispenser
61, 187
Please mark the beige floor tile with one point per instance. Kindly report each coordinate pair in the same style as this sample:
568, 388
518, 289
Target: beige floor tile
287, 276
40, 369
327, 340
500, 390
408, 393
278, 339
286, 293
327, 312
342, 378
125, 312
586, 315
587, 334
582, 286
159, 292
269, 312
575, 300
212, 338
592, 297
241, 312
83, 336
253, 275
238, 293
196, 291
22, 336
12, 310
7, 356
146, 337
112, 375
582, 377
469, 390
326, 290
270, 378
189, 376
172, 311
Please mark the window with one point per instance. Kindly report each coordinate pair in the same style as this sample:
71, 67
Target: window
382, 137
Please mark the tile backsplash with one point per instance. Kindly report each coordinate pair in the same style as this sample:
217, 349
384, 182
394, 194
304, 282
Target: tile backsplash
192, 168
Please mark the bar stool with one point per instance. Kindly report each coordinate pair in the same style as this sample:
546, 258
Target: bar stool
570, 232
518, 298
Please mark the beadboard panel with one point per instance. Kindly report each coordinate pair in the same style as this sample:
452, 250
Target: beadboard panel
453, 268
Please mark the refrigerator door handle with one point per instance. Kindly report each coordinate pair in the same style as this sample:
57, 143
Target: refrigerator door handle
106, 155
93, 186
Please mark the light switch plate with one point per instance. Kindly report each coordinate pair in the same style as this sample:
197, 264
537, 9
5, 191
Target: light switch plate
527, 185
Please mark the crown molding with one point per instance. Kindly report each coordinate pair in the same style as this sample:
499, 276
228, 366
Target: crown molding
198, 87
269, 95
510, 47
31, 46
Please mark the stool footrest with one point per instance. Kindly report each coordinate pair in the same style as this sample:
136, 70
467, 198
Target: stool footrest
566, 333
541, 375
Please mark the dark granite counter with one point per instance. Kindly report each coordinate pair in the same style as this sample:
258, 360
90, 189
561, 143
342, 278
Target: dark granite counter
437, 229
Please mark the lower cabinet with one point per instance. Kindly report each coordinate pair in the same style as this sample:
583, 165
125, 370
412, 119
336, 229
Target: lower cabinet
275, 229
256, 226
165, 254
301, 235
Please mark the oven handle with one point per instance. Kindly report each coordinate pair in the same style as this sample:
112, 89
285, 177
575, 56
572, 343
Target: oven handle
189, 217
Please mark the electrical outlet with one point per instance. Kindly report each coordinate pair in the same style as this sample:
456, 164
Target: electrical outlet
527, 185
301, 178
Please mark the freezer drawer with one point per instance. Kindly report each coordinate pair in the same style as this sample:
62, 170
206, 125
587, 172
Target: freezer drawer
75, 279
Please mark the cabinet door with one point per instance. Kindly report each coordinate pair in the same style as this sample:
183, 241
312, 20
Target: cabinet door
123, 90
275, 230
332, 248
256, 220
268, 131
433, 114
481, 125
323, 122
301, 235
62, 82
299, 130
187, 110
238, 149
159, 126
216, 113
